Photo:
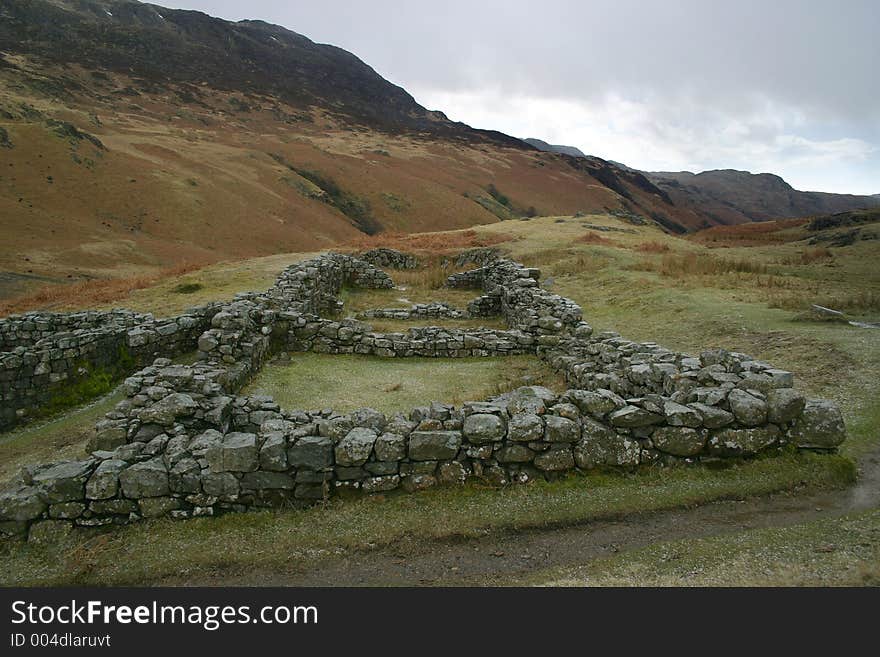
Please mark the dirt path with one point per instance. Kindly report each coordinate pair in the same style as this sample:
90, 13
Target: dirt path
511, 558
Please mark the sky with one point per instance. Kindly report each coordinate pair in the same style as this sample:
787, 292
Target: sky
790, 87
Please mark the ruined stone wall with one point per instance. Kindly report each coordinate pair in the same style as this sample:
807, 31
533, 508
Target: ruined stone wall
40, 371
417, 311
183, 443
389, 259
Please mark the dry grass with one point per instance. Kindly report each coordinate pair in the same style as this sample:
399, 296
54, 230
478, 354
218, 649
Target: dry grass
594, 238
436, 243
652, 246
695, 264
89, 293
809, 256
754, 234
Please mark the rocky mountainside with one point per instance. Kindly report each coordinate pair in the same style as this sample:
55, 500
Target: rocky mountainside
554, 148
728, 196
136, 137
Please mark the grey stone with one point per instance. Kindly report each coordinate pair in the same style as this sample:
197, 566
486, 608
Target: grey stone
238, 452
165, 411
746, 408
452, 472
145, 479
434, 445
679, 441
784, 405
220, 484
104, 482
678, 415
185, 476
820, 426
561, 430
155, 507
514, 453
482, 428
267, 480
64, 482
311, 452
116, 506
743, 442
273, 453
66, 510
356, 447
22, 503
417, 482
597, 403
390, 447
602, 446
632, 416
712, 416
525, 427
381, 484
555, 459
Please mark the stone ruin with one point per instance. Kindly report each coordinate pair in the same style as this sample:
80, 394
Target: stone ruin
184, 443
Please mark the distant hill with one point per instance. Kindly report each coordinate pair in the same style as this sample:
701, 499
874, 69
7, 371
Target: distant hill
554, 148
728, 196
135, 137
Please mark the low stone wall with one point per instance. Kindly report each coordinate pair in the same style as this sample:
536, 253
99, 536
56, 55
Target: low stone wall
194, 454
183, 443
31, 328
389, 259
417, 311
113, 344
353, 337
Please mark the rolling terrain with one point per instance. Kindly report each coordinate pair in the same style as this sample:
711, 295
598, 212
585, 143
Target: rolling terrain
796, 518
135, 138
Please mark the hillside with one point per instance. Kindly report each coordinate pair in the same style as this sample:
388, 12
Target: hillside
135, 138
731, 197
554, 148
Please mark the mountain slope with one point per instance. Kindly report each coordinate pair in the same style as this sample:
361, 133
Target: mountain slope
730, 197
555, 148
135, 138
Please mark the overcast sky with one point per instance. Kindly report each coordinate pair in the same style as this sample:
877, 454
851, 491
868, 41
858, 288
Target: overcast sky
790, 87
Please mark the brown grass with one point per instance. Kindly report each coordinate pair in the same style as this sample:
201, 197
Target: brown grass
692, 264
812, 255
753, 234
431, 243
652, 246
594, 238
88, 293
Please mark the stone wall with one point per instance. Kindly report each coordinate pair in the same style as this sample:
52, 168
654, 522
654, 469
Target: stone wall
417, 311
389, 259
183, 443
49, 358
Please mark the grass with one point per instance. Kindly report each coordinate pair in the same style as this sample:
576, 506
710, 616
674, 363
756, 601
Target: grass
841, 551
403, 296
290, 540
753, 307
346, 383
58, 438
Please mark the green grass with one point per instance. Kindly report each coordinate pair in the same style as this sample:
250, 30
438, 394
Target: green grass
841, 551
288, 540
346, 383
61, 437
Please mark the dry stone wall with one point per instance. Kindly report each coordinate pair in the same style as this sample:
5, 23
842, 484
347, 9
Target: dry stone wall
184, 443
49, 353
